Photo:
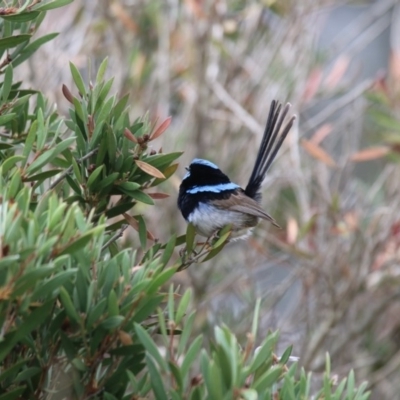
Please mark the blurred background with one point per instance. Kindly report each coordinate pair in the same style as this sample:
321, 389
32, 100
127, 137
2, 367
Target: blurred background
330, 278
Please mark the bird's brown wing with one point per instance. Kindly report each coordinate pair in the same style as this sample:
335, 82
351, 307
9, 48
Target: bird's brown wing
241, 203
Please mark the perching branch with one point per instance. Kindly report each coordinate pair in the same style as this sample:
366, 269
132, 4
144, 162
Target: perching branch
69, 170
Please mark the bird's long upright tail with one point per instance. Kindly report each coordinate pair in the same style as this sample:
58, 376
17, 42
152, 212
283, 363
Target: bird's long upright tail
269, 147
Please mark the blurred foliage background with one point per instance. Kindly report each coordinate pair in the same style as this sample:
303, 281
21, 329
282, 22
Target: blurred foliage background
329, 280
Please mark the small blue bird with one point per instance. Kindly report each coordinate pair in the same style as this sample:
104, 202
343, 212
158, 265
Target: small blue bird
209, 200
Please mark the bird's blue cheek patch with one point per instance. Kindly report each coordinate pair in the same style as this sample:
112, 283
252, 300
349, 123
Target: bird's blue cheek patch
221, 187
186, 175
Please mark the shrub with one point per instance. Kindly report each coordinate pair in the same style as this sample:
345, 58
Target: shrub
80, 316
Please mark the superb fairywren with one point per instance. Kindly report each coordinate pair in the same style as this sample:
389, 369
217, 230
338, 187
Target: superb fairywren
209, 200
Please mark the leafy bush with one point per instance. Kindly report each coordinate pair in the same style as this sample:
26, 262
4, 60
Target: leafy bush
80, 316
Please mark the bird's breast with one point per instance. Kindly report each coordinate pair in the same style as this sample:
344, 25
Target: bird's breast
208, 219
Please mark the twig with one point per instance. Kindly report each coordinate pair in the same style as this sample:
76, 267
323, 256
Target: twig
323, 115
360, 24
115, 237
383, 373
192, 260
69, 170
237, 110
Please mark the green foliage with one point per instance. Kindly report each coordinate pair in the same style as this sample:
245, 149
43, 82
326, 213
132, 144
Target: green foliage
81, 317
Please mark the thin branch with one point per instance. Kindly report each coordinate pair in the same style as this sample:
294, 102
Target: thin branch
116, 236
237, 110
388, 369
341, 102
69, 170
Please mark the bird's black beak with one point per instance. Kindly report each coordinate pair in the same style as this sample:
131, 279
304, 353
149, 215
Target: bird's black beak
187, 168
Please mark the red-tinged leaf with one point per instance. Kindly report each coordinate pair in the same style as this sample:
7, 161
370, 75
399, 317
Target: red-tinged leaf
131, 221
292, 230
394, 66
312, 84
196, 8
119, 11
318, 153
161, 129
149, 169
158, 196
370, 154
337, 71
135, 225
321, 133
168, 172
380, 85
125, 338
67, 94
130, 136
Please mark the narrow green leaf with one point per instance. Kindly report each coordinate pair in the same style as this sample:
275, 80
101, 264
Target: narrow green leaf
113, 322
285, 356
156, 380
74, 185
171, 307
50, 155
176, 372
40, 177
6, 118
213, 379
5, 146
102, 71
10, 163
28, 324
32, 47
30, 140
249, 394
192, 353
68, 305
53, 284
51, 5
77, 77
13, 41
13, 394
159, 280
113, 308
96, 312
119, 209
94, 175
183, 306
12, 371
120, 107
27, 374
269, 378
7, 83
213, 253
169, 249
161, 160
79, 364
150, 347
21, 101
350, 385
23, 17
264, 352
142, 197
190, 235
129, 186
187, 330
79, 243
147, 308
